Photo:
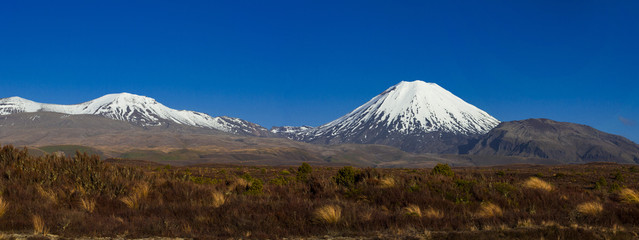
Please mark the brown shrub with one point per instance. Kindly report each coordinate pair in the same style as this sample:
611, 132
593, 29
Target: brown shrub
536, 183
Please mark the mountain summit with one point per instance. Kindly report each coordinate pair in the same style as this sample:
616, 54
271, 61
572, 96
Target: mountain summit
415, 116
136, 109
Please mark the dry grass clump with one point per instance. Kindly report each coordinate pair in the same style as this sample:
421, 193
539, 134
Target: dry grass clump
328, 214
88, 204
139, 193
238, 183
487, 210
217, 199
47, 194
525, 223
38, 226
628, 195
242, 183
536, 183
413, 210
433, 213
4, 206
590, 208
387, 182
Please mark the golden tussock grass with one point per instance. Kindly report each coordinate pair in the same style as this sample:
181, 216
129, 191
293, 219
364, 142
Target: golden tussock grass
366, 215
413, 210
130, 202
488, 209
138, 194
47, 194
239, 183
38, 226
536, 183
88, 205
433, 213
387, 182
525, 223
4, 206
328, 214
142, 189
590, 208
217, 199
628, 195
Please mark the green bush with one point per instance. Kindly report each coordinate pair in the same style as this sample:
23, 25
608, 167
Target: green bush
345, 177
601, 183
614, 187
504, 188
442, 169
255, 188
280, 180
619, 177
204, 180
304, 172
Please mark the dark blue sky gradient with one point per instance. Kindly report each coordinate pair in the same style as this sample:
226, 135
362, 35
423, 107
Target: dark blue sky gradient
309, 62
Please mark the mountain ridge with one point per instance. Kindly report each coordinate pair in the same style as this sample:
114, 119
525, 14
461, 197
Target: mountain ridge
549, 139
136, 109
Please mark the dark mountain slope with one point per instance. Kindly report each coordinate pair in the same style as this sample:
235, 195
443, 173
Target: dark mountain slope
562, 141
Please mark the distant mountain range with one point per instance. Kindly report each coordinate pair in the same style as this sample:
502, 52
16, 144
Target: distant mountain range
136, 109
416, 117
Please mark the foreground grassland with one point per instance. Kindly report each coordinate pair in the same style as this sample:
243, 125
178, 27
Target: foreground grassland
82, 196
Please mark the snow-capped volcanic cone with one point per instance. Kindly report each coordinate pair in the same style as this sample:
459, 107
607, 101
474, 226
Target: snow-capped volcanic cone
136, 109
414, 116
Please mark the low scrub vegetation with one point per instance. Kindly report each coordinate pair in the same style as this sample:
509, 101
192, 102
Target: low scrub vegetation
80, 196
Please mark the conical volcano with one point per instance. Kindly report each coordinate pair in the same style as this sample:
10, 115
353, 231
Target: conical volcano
415, 116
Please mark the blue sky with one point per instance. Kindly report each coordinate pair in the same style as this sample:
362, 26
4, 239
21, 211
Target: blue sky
309, 62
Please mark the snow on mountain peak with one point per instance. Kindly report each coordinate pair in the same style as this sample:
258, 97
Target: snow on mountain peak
137, 109
413, 107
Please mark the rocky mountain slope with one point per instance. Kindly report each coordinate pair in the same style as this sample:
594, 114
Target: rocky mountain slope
183, 145
135, 109
562, 141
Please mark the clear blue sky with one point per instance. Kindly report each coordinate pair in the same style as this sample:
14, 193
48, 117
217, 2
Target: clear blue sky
309, 62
